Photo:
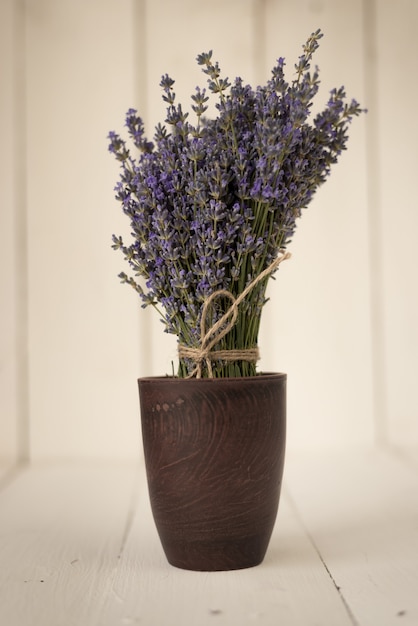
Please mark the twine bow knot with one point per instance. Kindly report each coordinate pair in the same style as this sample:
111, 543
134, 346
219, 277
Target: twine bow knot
209, 338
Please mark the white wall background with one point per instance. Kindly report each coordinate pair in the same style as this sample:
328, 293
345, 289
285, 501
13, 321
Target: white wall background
342, 317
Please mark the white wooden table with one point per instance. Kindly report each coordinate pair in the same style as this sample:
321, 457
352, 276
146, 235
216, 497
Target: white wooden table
78, 548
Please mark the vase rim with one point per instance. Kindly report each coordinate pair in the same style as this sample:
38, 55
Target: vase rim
247, 379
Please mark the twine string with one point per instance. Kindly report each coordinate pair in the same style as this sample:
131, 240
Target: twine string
209, 338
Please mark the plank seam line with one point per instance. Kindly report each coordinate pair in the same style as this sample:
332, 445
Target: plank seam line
131, 512
12, 474
397, 454
321, 558
21, 260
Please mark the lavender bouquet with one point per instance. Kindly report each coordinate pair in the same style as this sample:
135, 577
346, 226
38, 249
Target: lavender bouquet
213, 205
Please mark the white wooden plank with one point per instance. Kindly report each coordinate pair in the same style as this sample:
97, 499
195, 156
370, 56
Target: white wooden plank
291, 586
9, 412
62, 532
83, 327
317, 323
397, 141
361, 509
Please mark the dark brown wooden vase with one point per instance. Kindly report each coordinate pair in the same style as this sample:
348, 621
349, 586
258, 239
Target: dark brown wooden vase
214, 453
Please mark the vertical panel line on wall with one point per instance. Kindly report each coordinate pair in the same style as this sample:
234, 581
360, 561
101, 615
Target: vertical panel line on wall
259, 37
140, 81
375, 226
20, 212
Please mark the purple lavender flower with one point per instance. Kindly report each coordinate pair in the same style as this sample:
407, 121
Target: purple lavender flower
212, 204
